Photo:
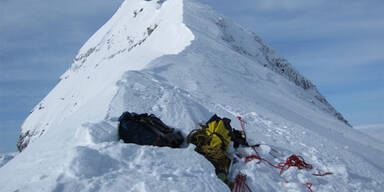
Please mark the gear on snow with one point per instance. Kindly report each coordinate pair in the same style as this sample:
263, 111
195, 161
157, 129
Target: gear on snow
144, 129
212, 140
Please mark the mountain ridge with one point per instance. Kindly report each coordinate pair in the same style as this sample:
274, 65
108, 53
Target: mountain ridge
254, 48
174, 60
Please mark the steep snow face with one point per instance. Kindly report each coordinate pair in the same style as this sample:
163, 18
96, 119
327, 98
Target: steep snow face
183, 62
139, 32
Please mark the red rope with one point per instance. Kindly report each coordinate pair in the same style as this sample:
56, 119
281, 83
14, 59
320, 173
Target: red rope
308, 185
253, 157
242, 122
291, 161
241, 184
294, 161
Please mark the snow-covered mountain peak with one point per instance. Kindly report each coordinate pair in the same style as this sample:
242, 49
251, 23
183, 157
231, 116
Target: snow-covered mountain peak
183, 62
130, 29
139, 32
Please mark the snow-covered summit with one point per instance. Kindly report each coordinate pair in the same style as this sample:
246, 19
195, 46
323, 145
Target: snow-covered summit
130, 40
129, 36
183, 62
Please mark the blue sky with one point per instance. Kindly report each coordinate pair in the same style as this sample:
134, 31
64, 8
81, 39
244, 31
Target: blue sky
339, 45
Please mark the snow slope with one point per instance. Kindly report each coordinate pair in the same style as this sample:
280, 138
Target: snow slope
5, 158
183, 62
376, 131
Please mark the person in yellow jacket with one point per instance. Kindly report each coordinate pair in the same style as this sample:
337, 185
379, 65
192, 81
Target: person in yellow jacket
219, 130
212, 141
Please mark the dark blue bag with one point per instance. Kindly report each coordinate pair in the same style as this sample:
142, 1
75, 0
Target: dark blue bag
144, 129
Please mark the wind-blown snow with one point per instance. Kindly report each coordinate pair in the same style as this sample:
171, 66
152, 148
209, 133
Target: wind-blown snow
183, 62
376, 131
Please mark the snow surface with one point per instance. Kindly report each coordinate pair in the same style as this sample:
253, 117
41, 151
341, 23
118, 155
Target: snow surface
5, 158
376, 131
183, 62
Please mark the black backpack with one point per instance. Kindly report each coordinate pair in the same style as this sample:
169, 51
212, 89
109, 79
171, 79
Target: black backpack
144, 129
